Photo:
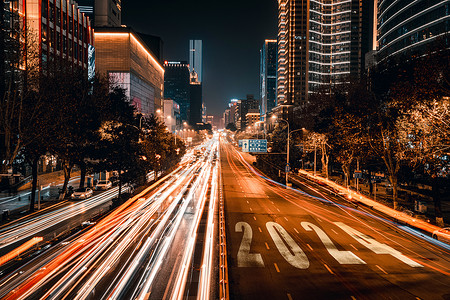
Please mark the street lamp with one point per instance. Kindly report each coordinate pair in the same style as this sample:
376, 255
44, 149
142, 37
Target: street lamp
287, 154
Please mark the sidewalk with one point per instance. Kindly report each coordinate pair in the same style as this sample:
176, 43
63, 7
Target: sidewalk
403, 217
50, 183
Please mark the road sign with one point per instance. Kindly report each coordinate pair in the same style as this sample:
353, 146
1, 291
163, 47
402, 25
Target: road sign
245, 146
240, 143
257, 146
287, 168
358, 175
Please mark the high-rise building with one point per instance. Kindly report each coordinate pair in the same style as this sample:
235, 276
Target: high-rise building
103, 13
408, 27
87, 8
125, 58
268, 77
177, 87
243, 107
172, 115
195, 58
319, 44
196, 100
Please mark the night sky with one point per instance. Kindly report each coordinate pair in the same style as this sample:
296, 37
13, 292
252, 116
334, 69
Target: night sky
233, 32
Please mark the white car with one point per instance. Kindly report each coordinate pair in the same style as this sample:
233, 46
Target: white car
82, 193
442, 235
103, 185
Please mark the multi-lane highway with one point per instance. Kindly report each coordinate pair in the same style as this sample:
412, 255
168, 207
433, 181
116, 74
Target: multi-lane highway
284, 244
142, 250
281, 243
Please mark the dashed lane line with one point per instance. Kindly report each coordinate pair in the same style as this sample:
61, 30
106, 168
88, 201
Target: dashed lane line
259, 228
381, 269
286, 219
353, 247
295, 229
328, 268
309, 246
254, 218
276, 267
289, 296
334, 231
267, 246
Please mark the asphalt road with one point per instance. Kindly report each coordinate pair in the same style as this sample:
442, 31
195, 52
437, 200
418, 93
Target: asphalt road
284, 244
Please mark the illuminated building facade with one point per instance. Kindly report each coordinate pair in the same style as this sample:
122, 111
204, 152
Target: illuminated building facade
172, 117
58, 31
123, 56
319, 44
196, 100
406, 27
177, 87
268, 77
195, 58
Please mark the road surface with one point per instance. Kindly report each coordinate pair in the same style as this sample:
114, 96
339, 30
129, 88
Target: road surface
284, 244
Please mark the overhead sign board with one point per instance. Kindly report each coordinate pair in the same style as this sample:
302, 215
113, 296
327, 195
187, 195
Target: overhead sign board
257, 146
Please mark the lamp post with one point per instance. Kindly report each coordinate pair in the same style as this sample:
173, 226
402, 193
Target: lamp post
287, 154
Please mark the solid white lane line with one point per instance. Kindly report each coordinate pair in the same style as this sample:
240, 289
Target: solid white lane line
267, 246
381, 269
276, 267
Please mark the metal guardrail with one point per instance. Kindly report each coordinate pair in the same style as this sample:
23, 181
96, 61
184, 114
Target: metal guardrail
223, 270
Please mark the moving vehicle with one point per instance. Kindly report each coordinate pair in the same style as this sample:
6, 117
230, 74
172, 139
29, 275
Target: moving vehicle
442, 235
103, 185
82, 193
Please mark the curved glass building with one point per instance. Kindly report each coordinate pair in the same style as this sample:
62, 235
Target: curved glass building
406, 26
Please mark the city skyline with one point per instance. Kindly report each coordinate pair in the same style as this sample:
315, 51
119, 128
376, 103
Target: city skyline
231, 41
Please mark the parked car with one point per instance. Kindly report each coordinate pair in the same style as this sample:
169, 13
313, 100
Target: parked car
103, 185
82, 193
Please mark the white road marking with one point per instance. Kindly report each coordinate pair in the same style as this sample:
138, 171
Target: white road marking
289, 296
286, 219
353, 298
251, 209
278, 209
309, 246
376, 246
318, 219
334, 231
244, 257
259, 229
248, 202
267, 246
342, 256
287, 247
254, 218
295, 229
